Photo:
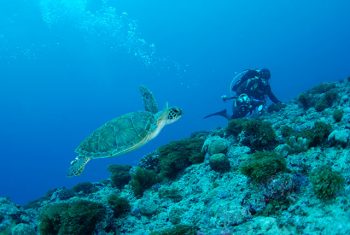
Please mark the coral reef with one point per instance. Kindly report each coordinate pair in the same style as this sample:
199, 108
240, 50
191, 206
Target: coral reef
284, 172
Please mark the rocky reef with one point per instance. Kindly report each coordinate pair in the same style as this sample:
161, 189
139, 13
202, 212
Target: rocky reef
284, 172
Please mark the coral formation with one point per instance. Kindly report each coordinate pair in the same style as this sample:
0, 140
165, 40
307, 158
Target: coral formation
235, 126
260, 166
170, 193
321, 97
306, 101
256, 134
177, 155
318, 134
287, 131
215, 144
326, 101
322, 88
219, 162
120, 175
84, 188
338, 115
142, 180
78, 217
275, 107
339, 137
150, 162
119, 205
178, 230
326, 183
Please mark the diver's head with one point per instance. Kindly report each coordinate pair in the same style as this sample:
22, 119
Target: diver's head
243, 99
264, 74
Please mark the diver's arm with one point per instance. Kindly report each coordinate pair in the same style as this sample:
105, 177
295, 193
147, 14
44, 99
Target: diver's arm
272, 97
256, 102
226, 98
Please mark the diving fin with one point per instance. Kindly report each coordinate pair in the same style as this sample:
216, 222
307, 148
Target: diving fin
222, 113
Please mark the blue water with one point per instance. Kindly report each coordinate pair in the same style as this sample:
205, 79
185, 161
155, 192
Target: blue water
67, 66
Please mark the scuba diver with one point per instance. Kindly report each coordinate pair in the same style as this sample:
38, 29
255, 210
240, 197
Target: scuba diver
242, 106
254, 83
251, 88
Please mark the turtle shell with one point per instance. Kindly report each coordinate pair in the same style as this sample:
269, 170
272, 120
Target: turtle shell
118, 136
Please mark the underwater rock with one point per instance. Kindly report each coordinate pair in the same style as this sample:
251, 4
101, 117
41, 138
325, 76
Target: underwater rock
215, 144
12, 214
147, 207
264, 225
339, 137
84, 188
282, 186
150, 162
219, 162
23, 229
294, 145
175, 214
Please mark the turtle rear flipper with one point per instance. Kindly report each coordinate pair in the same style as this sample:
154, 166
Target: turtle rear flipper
77, 166
148, 100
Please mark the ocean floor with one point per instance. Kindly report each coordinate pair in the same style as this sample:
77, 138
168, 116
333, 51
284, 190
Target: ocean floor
284, 172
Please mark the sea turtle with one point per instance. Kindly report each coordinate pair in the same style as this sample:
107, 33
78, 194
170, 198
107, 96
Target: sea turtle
124, 133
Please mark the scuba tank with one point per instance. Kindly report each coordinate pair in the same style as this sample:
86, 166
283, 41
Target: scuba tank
237, 80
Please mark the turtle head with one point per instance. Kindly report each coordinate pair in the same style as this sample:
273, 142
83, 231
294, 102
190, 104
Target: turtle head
170, 115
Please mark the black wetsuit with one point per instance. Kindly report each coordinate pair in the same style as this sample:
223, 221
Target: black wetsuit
255, 87
237, 110
244, 110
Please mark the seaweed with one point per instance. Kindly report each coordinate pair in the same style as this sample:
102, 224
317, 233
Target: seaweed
326, 182
178, 155
261, 166
119, 205
120, 175
78, 217
142, 180
338, 115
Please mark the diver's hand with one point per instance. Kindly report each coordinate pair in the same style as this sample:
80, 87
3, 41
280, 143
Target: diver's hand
224, 98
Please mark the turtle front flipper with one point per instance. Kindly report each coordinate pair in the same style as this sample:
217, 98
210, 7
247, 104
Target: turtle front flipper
148, 100
77, 166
